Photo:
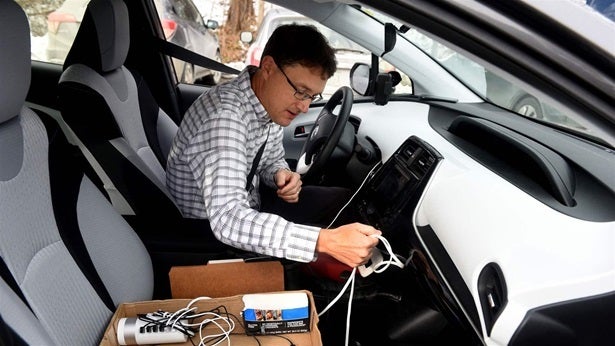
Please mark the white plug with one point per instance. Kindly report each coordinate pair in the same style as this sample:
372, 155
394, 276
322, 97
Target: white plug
374, 262
377, 263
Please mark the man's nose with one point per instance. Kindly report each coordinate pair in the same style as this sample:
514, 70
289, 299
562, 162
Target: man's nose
304, 105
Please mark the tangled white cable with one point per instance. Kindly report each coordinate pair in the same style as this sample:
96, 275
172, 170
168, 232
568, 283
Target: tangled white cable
393, 259
179, 320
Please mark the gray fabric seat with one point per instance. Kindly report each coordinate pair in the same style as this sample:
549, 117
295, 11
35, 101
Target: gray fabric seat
112, 112
67, 258
114, 115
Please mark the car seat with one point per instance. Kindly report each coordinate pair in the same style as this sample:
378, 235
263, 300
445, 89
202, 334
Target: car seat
113, 113
67, 258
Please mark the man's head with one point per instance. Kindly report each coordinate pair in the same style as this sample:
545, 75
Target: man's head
301, 44
297, 61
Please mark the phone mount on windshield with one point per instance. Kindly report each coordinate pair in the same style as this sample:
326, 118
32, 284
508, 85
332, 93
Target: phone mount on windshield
367, 80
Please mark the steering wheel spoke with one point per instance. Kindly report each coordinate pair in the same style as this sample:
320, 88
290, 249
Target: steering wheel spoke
325, 135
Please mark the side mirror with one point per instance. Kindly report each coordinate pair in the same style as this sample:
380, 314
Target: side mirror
359, 79
212, 24
246, 37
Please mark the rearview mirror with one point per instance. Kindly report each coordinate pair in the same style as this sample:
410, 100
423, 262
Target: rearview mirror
359, 78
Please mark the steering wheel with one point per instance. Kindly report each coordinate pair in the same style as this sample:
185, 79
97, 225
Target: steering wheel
325, 135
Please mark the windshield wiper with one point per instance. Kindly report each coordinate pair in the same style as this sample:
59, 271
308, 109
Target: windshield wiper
427, 97
351, 50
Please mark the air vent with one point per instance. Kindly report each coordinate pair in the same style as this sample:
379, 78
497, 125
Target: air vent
409, 150
421, 165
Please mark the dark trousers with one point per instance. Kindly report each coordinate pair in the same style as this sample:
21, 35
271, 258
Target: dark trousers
317, 206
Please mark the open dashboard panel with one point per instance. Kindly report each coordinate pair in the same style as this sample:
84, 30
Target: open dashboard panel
395, 189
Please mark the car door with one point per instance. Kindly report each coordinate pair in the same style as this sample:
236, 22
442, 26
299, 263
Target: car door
198, 37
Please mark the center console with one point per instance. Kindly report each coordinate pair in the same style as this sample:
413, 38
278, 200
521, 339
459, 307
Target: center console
394, 190
388, 202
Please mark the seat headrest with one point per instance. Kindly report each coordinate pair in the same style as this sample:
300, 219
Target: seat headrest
14, 59
103, 38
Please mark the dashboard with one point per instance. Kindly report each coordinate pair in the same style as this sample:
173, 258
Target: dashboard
485, 251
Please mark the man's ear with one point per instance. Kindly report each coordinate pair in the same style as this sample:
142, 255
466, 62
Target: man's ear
268, 65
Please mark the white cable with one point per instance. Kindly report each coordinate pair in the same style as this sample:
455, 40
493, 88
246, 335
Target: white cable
225, 332
354, 194
354, 270
178, 320
174, 323
351, 280
350, 297
393, 259
339, 295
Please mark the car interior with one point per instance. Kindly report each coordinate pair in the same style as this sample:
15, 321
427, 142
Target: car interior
503, 224
64, 253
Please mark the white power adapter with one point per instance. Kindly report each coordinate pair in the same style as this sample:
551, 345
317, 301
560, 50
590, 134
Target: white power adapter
377, 263
133, 331
374, 262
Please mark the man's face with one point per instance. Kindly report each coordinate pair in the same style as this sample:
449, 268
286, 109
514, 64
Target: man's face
278, 96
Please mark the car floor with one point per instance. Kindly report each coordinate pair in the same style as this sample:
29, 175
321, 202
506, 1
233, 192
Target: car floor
379, 312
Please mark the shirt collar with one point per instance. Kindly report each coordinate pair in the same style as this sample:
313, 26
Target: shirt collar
245, 84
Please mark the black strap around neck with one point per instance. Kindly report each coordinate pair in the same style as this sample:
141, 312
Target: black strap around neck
257, 158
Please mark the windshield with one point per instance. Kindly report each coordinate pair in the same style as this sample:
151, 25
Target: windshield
337, 41
489, 85
495, 88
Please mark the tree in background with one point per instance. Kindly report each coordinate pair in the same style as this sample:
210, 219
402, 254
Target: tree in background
240, 17
37, 12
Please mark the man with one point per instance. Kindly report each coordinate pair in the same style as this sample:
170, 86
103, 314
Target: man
217, 145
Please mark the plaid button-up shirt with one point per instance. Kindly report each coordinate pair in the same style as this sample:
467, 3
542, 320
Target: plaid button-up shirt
209, 163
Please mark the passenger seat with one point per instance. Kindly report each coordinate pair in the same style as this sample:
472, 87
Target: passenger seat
115, 115
119, 123
67, 258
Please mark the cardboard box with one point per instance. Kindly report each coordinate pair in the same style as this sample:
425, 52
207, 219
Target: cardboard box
233, 304
226, 278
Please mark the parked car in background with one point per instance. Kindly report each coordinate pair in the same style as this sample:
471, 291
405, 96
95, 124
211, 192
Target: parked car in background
347, 52
492, 87
182, 24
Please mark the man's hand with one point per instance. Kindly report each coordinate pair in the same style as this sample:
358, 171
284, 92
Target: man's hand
350, 244
289, 185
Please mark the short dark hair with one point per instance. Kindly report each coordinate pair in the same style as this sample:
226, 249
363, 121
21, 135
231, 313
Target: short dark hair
301, 44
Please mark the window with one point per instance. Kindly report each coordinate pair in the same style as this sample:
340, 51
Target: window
187, 11
53, 28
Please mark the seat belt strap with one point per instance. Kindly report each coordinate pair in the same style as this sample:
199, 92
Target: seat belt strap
9, 279
257, 158
186, 55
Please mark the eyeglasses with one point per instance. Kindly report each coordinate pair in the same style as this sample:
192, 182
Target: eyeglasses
301, 95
